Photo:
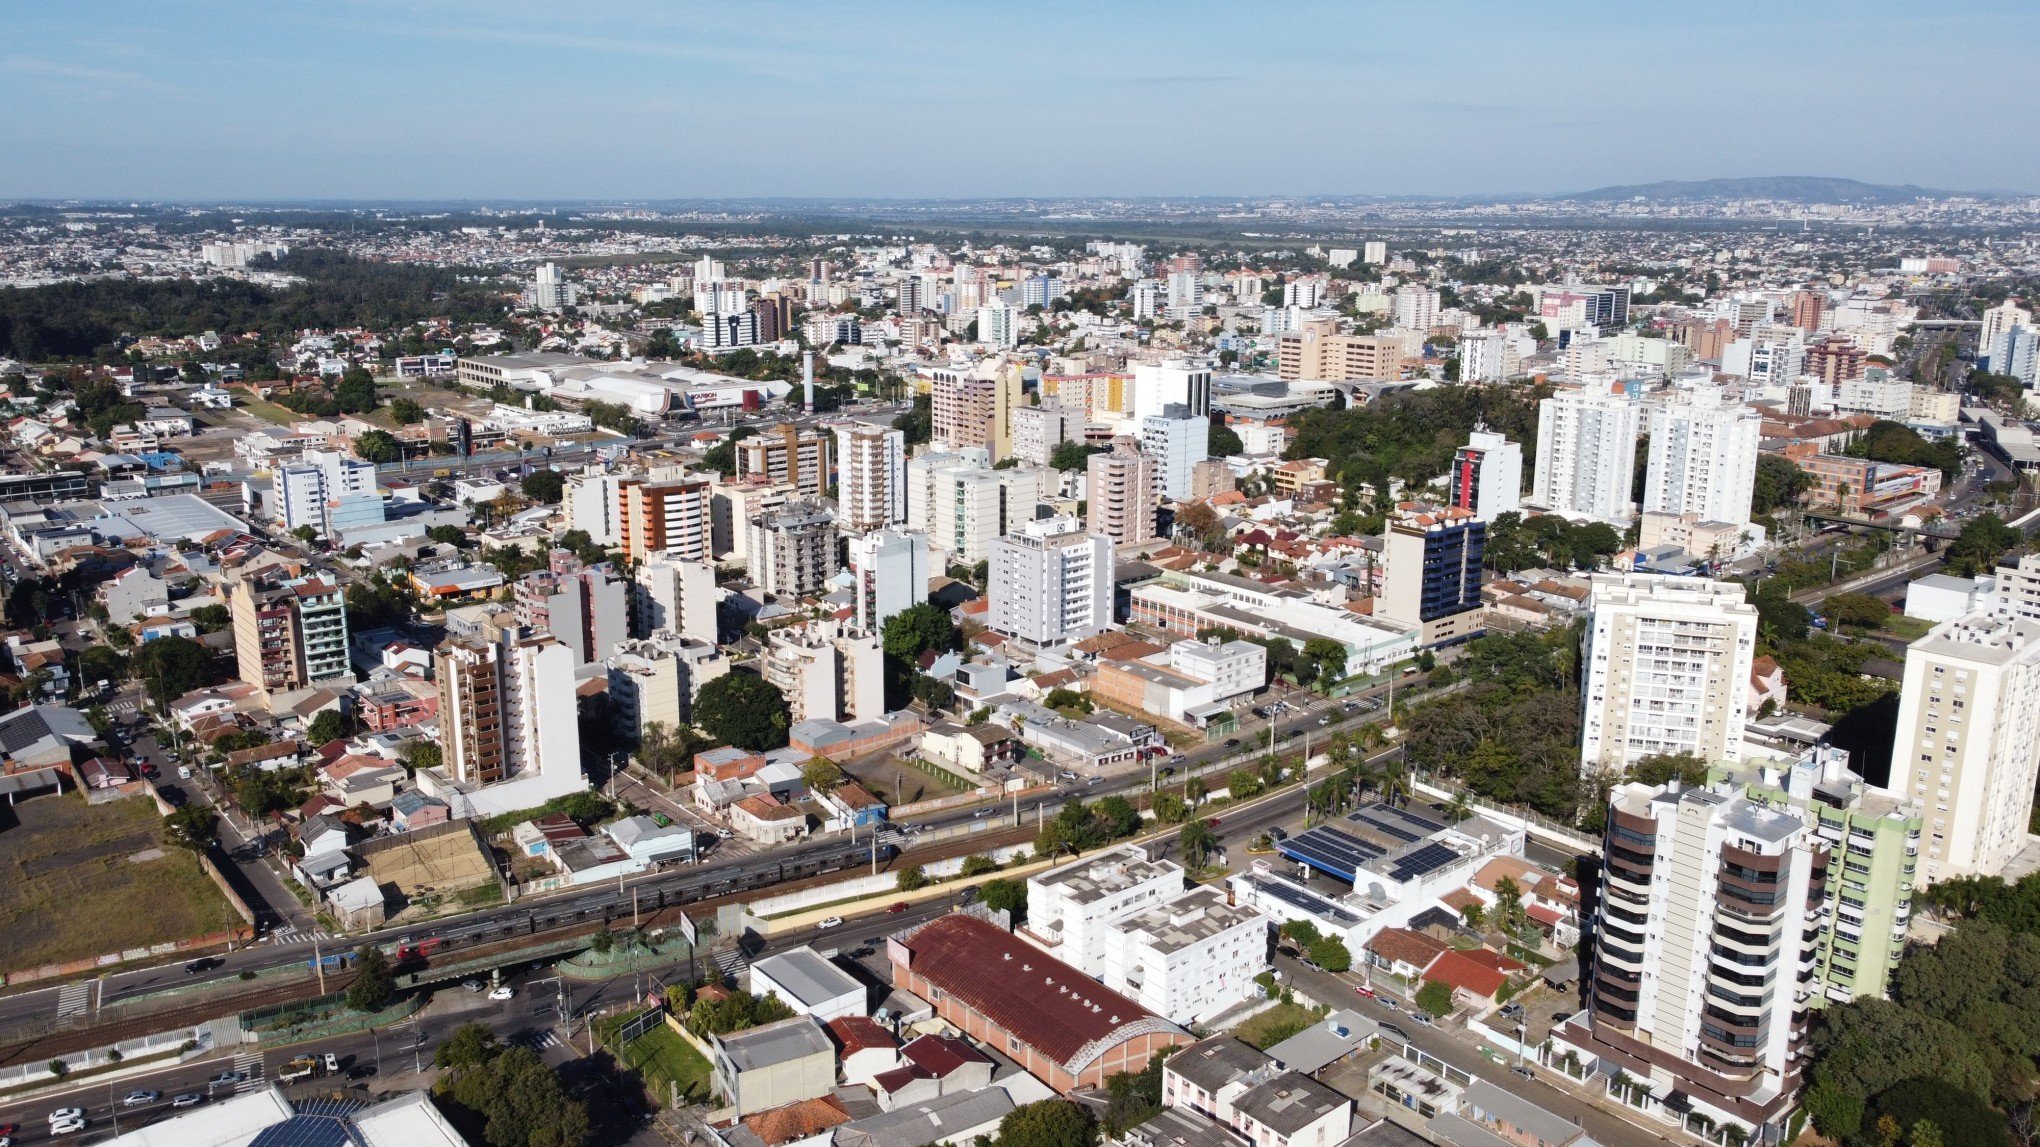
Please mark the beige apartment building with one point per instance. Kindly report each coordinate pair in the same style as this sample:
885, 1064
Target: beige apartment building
1121, 492
976, 409
1320, 353
786, 454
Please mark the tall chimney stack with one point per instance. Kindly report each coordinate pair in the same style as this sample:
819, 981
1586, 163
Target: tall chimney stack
807, 380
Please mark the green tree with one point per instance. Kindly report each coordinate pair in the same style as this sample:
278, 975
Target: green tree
328, 726
469, 1045
373, 986
543, 486
1984, 539
722, 457
212, 618
1435, 998
1004, 895
1222, 442
911, 878
1330, 656
1048, 1123
1196, 841
193, 826
406, 412
822, 775
1072, 455
1121, 818
1835, 1113
1170, 808
378, 446
1658, 768
1779, 484
1243, 784
744, 710
446, 535
423, 754
356, 393
172, 666
1856, 609
515, 1100
917, 629
977, 864
1331, 954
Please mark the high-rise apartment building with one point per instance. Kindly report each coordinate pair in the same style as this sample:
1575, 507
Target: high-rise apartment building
1148, 297
1177, 441
550, 290
824, 675
975, 408
1712, 909
1667, 670
1809, 308
999, 324
964, 505
665, 516
326, 490
1835, 359
1160, 385
1967, 750
1415, 308
586, 607
507, 713
891, 570
1586, 456
871, 481
1050, 583
1038, 430
1487, 475
1873, 840
1433, 554
1318, 352
674, 596
1374, 252
594, 504
786, 454
1703, 456
290, 630
1121, 494
793, 551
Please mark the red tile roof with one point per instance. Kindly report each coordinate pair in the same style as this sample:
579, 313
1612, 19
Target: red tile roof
797, 1121
1042, 1001
860, 1033
1413, 948
1460, 971
891, 1081
940, 1054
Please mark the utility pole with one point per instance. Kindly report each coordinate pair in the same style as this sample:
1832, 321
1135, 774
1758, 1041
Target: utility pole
318, 963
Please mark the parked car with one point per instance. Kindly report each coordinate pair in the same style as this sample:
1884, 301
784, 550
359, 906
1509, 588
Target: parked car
831, 922
140, 1098
472, 985
1421, 1017
1523, 1071
187, 1099
1512, 1011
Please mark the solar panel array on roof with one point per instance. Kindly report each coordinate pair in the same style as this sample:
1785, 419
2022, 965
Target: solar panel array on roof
1331, 851
1421, 861
1395, 823
1297, 898
318, 1123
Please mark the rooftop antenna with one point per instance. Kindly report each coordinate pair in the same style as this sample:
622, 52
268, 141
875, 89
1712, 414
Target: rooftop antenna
807, 380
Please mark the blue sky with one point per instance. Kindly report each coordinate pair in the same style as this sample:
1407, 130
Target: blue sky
498, 100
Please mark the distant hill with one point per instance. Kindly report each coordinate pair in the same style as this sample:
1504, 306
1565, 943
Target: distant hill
1795, 188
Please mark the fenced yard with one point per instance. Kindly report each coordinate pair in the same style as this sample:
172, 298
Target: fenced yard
78, 881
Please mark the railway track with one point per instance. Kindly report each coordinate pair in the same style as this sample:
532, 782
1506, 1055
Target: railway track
661, 911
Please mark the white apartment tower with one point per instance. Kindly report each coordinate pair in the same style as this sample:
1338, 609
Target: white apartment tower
1667, 670
1967, 750
871, 476
1586, 456
1487, 476
1177, 441
891, 571
1051, 582
964, 505
1158, 386
1703, 456
1416, 308
670, 595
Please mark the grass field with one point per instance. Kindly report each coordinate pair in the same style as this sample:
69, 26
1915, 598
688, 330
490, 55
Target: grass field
267, 411
663, 1059
902, 782
1909, 628
79, 881
1275, 1025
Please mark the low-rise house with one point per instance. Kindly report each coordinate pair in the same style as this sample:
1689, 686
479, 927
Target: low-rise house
1401, 952
1292, 1110
774, 1064
42, 736
355, 779
764, 819
325, 838
1210, 1074
803, 1124
850, 806
649, 842
864, 1048
357, 903
932, 1066
970, 749
809, 984
412, 810
1475, 977
1515, 1119
1331, 1039
593, 859
541, 835
956, 1120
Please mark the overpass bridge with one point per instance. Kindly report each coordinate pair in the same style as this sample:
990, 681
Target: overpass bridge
1890, 526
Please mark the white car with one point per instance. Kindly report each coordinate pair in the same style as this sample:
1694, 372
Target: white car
141, 1098
502, 993
66, 1114
831, 922
68, 1126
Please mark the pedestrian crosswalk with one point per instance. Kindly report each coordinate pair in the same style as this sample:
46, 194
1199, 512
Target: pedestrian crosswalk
538, 1040
122, 708
292, 934
249, 1065
74, 999
730, 961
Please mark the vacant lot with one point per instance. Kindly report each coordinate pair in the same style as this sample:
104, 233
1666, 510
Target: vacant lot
1275, 1025
79, 881
898, 781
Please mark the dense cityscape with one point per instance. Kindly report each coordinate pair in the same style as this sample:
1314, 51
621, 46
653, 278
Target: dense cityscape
782, 667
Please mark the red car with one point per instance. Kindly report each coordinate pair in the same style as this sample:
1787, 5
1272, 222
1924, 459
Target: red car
1212, 823
900, 907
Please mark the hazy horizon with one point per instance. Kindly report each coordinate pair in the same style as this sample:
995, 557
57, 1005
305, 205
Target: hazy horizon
375, 101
